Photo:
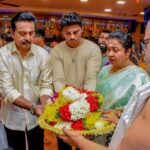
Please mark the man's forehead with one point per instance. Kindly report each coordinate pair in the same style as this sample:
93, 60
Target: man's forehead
24, 23
104, 34
25, 27
72, 28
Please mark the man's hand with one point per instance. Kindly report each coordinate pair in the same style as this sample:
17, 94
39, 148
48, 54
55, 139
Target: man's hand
38, 109
44, 99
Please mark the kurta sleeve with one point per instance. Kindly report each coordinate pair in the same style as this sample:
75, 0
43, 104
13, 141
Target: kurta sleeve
46, 78
92, 68
57, 71
6, 83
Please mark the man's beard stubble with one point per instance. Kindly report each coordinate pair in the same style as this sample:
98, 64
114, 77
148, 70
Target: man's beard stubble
103, 47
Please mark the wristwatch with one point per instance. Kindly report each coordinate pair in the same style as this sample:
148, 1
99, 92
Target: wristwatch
32, 109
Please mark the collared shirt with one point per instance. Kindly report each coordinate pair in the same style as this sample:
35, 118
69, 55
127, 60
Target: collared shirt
29, 77
105, 61
48, 49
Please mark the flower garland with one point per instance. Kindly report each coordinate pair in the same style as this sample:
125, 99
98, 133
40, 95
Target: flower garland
75, 109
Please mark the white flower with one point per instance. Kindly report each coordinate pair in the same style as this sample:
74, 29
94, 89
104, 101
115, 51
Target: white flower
63, 124
79, 109
71, 93
83, 96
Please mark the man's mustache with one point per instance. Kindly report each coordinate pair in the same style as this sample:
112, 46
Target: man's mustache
26, 42
72, 40
102, 44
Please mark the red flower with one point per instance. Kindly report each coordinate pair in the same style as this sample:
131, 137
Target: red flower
65, 113
52, 123
77, 125
93, 103
85, 91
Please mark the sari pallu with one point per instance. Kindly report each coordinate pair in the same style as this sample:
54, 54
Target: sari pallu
117, 88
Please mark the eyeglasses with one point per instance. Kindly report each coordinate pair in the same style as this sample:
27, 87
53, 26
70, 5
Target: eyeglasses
146, 42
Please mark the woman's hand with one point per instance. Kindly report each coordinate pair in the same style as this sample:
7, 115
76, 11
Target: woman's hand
112, 115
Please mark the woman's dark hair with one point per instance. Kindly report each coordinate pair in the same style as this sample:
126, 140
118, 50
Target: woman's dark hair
106, 31
22, 16
71, 19
125, 40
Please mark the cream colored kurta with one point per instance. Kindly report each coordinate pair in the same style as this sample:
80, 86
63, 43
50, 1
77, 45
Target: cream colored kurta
30, 77
75, 66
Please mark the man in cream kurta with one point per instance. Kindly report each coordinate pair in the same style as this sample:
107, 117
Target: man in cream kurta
75, 61
75, 66
25, 75
29, 77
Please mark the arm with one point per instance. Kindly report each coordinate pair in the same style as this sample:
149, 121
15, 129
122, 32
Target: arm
81, 142
25, 104
137, 137
10, 93
92, 68
57, 71
46, 81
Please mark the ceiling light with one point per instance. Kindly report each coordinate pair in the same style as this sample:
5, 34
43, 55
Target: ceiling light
121, 2
83, 0
142, 13
107, 10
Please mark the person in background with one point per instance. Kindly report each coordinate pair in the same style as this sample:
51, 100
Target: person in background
25, 75
135, 54
75, 61
102, 42
39, 39
2, 40
53, 44
142, 62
